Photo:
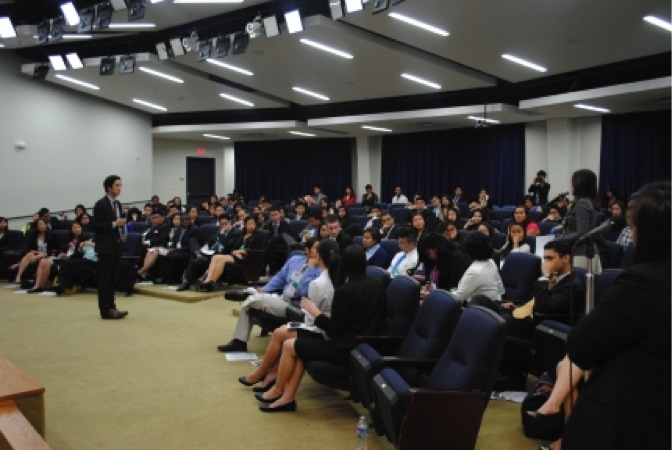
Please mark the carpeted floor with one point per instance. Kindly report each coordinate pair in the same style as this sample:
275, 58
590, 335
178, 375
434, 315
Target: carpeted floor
155, 381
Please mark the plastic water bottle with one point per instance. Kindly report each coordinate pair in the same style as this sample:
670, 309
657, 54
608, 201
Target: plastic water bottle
362, 433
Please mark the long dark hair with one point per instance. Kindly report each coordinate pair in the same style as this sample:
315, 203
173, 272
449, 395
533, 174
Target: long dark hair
651, 222
71, 235
525, 222
353, 262
444, 248
504, 253
585, 186
329, 252
36, 232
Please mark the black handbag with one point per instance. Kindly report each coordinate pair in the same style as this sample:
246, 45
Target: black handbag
537, 396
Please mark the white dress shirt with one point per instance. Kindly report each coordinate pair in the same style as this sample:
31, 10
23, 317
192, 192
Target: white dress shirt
399, 199
320, 292
410, 262
481, 278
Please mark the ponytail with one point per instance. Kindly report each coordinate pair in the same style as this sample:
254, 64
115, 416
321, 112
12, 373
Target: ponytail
329, 252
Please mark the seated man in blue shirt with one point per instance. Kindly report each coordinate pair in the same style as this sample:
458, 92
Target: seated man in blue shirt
293, 279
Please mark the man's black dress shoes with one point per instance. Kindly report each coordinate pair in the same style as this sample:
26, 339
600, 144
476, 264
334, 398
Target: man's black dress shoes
233, 346
183, 287
114, 314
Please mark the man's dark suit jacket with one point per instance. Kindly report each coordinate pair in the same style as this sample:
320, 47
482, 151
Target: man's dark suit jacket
554, 304
427, 214
156, 235
106, 235
189, 238
303, 217
390, 233
283, 227
227, 241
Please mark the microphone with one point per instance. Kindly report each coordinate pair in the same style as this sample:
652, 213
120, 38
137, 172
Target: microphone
598, 231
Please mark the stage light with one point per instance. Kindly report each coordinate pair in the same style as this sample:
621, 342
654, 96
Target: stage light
57, 62
70, 13
176, 47
86, 20
107, 65
336, 9
191, 43
164, 51
57, 29
126, 64
118, 5
240, 42
43, 33
353, 5
136, 10
380, 6
204, 50
6, 28
74, 61
222, 46
40, 71
293, 20
254, 28
271, 26
103, 16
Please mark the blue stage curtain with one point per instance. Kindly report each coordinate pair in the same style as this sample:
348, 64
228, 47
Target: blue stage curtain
635, 150
436, 162
291, 168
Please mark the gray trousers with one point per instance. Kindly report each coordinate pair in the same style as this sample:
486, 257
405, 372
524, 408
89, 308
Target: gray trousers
264, 302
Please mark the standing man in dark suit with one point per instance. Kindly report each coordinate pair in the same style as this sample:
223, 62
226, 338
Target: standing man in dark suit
108, 226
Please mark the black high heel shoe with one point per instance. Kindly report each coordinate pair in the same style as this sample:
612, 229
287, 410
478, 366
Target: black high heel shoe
262, 389
261, 398
206, 287
291, 406
244, 382
549, 425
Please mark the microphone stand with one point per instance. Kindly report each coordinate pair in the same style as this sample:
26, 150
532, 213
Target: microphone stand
590, 281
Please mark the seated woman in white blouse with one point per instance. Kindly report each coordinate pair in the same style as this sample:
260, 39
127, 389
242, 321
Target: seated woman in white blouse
482, 276
515, 242
320, 292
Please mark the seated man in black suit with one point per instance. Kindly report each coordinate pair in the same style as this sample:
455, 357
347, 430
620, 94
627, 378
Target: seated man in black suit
369, 198
52, 222
335, 233
220, 243
154, 236
420, 207
374, 220
300, 210
389, 230
157, 204
552, 302
186, 244
277, 246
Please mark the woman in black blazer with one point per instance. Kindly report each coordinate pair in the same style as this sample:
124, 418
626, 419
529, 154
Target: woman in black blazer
358, 309
193, 216
625, 403
251, 239
41, 244
6, 238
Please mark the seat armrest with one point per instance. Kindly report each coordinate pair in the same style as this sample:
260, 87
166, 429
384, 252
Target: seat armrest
395, 361
379, 339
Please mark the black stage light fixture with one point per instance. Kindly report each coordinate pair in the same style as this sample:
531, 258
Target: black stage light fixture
43, 33
240, 42
107, 65
136, 10
118, 5
57, 29
204, 50
40, 71
336, 9
395, 2
103, 17
126, 64
380, 6
86, 20
222, 46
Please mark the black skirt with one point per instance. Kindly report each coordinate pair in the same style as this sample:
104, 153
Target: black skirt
311, 346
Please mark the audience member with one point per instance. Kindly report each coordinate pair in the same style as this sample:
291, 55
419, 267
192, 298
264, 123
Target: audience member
389, 229
344, 217
185, 244
335, 233
84, 220
374, 221
68, 272
324, 212
487, 229
155, 237
419, 207
448, 230
553, 215
6, 238
477, 218
79, 210
52, 222
324, 231
399, 197
324, 204
419, 225
300, 210
193, 216
156, 203
522, 215
528, 203
277, 246
435, 207
515, 242
482, 276
484, 200
239, 223
444, 262
375, 254
41, 244
625, 238
617, 217
405, 262
446, 205
459, 196
539, 189
75, 239
454, 215
369, 198
610, 197
349, 197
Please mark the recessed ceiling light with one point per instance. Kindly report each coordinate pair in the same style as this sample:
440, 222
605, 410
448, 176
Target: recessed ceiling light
228, 66
151, 105
302, 134
6, 28
81, 83
314, 94
592, 108
418, 23
161, 74
293, 21
326, 48
421, 81
155, 1
523, 62
57, 62
132, 25
660, 22
74, 60
77, 36
206, 1
483, 119
353, 5
70, 13
236, 99
376, 128
214, 136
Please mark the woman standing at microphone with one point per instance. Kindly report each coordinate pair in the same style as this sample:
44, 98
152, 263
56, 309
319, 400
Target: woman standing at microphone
582, 217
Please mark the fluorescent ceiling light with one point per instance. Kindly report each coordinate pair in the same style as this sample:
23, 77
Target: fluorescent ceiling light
302, 134
6, 28
293, 21
70, 13
132, 25
483, 119
151, 105
207, 1
660, 22
81, 83
327, 48
353, 5
421, 81
376, 128
162, 75
77, 36
592, 108
74, 61
236, 99
417, 23
523, 62
214, 136
314, 94
155, 1
57, 62
228, 66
